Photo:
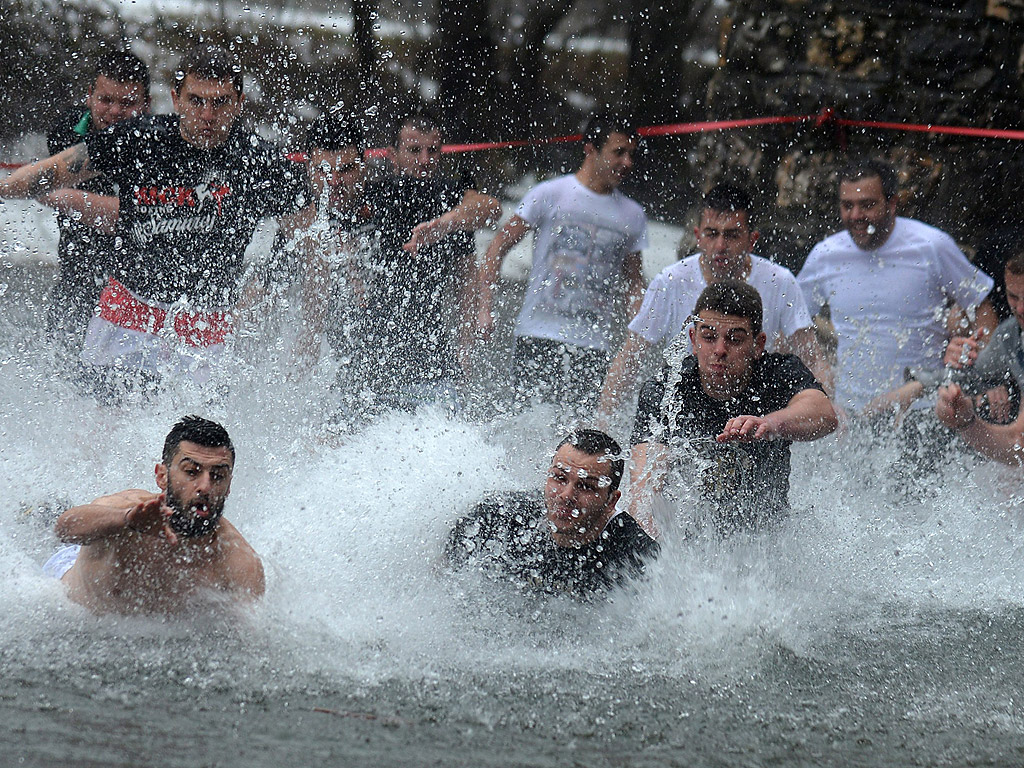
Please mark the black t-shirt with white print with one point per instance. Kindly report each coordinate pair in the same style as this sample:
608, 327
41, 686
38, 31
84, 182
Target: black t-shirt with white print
187, 214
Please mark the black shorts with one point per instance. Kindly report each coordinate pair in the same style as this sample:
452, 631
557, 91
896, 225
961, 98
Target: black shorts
556, 372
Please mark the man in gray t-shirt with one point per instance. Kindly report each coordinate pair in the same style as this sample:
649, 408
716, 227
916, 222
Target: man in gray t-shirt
999, 368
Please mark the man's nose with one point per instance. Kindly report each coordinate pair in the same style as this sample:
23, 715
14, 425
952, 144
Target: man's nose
719, 346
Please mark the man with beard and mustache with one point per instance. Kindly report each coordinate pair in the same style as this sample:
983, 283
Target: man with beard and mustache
142, 552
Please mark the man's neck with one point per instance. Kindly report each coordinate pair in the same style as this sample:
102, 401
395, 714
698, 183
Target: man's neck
577, 540
588, 179
739, 274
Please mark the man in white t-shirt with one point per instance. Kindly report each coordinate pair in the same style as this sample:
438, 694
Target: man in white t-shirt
725, 237
586, 256
891, 284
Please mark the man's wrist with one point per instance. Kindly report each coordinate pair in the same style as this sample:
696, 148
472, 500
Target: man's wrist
128, 521
964, 425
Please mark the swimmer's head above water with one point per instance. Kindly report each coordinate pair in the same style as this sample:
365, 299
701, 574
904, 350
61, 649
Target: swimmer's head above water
195, 475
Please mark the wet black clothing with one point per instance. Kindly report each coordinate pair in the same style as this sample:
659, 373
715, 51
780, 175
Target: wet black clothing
83, 253
187, 214
507, 537
412, 299
748, 483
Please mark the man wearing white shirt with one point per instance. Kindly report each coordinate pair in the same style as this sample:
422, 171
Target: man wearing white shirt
586, 257
725, 237
891, 284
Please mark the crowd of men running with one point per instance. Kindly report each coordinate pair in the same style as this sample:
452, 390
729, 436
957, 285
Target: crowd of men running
156, 211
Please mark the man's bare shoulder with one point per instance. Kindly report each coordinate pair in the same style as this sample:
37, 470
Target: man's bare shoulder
242, 567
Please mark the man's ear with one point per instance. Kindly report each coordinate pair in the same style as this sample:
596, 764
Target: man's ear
753, 238
613, 499
759, 342
161, 476
693, 336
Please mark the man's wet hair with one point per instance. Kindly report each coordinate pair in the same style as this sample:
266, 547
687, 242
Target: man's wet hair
732, 297
123, 67
420, 120
601, 125
1015, 264
867, 168
207, 61
594, 442
333, 131
730, 198
196, 429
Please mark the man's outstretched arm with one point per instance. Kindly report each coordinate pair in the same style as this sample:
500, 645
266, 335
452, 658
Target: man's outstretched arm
1001, 442
647, 466
65, 169
808, 416
623, 371
133, 511
474, 211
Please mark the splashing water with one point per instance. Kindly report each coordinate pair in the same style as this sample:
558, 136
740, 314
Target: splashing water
870, 628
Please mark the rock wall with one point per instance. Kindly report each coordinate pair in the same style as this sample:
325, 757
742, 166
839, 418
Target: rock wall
943, 62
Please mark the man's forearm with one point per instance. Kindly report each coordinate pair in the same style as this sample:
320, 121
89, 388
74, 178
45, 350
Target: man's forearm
66, 169
476, 210
91, 522
1000, 442
622, 374
808, 416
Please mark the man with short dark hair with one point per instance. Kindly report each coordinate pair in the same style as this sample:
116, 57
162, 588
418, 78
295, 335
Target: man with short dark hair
142, 552
586, 258
572, 539
725, 238
419, 291
87, 213
889, 282
729, 413
192, 189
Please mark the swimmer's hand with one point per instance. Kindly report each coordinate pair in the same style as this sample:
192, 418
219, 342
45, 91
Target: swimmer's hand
151, 517
962, 351
427, 233
954, 408
747, 429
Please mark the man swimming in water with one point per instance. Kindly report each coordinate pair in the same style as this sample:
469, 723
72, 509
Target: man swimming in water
142, 552
573, 539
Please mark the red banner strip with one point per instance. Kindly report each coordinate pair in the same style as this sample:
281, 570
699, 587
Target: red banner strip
677, 129
985, 133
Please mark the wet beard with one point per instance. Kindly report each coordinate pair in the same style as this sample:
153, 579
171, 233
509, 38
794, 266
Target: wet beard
188, 522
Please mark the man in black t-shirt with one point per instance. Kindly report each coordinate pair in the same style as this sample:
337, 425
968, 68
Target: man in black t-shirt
419, 292
192, 188
571, 539
119, 91
730, 412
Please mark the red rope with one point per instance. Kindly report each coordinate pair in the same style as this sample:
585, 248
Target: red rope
678, 129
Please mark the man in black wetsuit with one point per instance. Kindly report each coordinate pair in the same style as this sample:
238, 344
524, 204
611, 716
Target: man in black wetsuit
571, 539
420, 291
119, 91
728, 414
192, 188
